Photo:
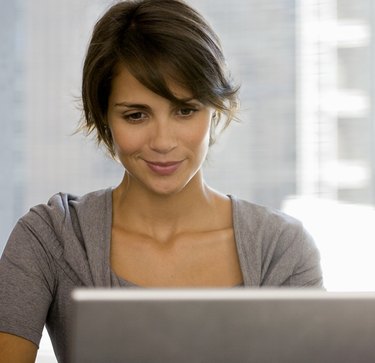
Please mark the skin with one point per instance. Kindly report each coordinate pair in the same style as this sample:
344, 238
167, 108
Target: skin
168, 230
16, 350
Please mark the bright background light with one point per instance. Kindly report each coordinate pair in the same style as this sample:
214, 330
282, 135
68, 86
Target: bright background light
345, 236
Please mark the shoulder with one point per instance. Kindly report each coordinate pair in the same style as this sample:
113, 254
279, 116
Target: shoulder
277, 247
63, 207
65, 219
59, 203
253, 217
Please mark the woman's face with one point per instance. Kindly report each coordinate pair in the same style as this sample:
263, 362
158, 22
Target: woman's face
161, 145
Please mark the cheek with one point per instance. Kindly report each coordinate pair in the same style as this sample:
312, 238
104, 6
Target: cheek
199, 135
127, 142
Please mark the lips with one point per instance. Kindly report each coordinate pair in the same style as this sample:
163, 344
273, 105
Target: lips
163, 168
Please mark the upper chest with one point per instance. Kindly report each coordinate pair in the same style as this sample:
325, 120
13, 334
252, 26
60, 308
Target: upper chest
190, 259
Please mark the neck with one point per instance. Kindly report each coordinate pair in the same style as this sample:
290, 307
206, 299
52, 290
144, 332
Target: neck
164, 215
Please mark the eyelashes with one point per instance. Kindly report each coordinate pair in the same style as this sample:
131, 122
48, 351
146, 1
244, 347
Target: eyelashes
137, 117
187, 111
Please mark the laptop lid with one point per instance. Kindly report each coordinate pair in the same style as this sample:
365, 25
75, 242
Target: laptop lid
234, 325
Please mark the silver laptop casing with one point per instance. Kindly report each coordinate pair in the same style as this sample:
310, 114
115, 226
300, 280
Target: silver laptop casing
222, 326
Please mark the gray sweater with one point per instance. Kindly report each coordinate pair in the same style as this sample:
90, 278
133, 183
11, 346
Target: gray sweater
66, 243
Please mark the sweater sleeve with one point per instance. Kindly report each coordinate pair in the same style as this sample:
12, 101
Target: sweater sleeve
307, 271
292, 258
274, 248
26, 283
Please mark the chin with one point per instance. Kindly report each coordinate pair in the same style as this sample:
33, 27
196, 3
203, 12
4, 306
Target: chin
166, 192
167, 189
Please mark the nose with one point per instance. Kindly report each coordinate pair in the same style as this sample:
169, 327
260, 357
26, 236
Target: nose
163, 138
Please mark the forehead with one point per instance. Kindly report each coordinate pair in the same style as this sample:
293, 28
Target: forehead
125, 84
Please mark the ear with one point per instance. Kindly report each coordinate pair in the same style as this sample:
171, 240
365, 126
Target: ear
215, 118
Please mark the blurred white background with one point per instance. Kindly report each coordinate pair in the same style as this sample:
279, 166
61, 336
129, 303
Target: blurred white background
305, 143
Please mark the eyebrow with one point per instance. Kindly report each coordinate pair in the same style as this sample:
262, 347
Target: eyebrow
131, 105
182, 101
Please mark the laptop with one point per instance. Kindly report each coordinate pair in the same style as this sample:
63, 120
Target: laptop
222, 326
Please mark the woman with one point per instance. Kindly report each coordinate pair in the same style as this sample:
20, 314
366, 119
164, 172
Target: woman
155, 91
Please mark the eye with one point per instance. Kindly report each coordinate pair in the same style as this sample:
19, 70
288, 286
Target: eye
186, 111
135, 117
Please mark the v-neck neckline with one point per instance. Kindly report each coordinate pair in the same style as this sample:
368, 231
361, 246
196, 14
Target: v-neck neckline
108, 239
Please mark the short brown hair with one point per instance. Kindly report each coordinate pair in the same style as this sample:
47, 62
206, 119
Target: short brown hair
157, 40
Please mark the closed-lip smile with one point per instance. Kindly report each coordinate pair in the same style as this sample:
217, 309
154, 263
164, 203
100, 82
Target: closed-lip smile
163, 167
